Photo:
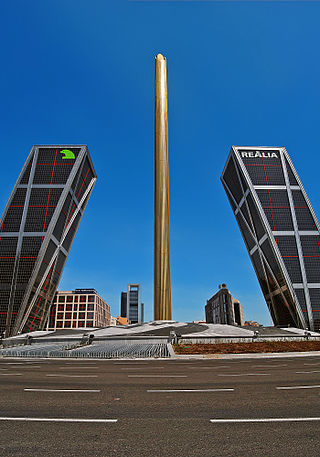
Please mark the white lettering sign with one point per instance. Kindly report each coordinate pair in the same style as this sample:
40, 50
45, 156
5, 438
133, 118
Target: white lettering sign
261, 154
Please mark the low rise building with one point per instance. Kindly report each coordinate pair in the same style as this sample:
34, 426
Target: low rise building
252, 324
122, 320
113, 321
222, 308
79, 308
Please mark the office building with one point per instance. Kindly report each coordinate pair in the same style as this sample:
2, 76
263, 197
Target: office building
222, 308
280, 231
123, 304
38, 226
131, 307
79, 308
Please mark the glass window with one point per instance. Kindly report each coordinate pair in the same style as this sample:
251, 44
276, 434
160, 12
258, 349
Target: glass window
89, 315
59, 324
69, 299
67, 324
82, 306
68, 315
83, 298
76, 298
82, 315
60, 316
61, 299
74, 324
91, 298
75, 316
81, 324
75, 306
89, 324
90, 307
69, 307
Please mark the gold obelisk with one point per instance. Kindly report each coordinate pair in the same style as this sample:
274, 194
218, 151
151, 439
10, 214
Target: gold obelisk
162, 278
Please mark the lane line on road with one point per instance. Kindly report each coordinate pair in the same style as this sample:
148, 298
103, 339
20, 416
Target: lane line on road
10, 374
306, 372
62, 390
155, 376
14, 363
72, 375
75, 361
297, 387
189, 390
268, 419
76, 367
246, 374
55, 419
311, 364
130, 363
133, 368
208, 368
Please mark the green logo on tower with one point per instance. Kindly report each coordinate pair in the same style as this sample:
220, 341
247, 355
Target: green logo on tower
67, 154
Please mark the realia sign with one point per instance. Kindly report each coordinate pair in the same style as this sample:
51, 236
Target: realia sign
261, 154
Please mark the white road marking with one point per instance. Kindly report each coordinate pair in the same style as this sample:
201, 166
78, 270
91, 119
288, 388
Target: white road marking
80, 361
208, 368
61, 390
10, 374
130, 363
268, 366
190, 390
246, 374
14, 363
55, 419
268, 419
311, 364
155, 376
73, 375
75, 367
132, 368
306, 372
298, 387
34, 361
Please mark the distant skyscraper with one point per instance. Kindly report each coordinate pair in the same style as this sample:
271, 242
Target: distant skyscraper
38, 226
280, 230
123, 304
131, 307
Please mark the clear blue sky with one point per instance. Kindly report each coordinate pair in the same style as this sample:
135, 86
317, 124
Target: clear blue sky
79, 71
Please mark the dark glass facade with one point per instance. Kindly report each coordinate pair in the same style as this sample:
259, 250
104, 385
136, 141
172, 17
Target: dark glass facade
280, 230
123, 304
130, 306
37, 229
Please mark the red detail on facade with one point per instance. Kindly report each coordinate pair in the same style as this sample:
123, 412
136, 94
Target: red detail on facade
265, 173
84, 182
40, 298
45, 217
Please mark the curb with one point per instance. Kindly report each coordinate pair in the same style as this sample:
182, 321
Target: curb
260, 355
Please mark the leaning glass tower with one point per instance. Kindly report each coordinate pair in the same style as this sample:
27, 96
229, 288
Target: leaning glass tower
37, 229
280, 230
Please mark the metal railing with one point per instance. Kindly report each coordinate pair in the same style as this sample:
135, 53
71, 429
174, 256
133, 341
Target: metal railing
100, 350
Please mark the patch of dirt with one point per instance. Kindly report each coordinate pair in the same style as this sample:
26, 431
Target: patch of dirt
245, 348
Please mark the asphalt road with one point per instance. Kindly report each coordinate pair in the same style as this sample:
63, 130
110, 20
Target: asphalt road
160, 408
